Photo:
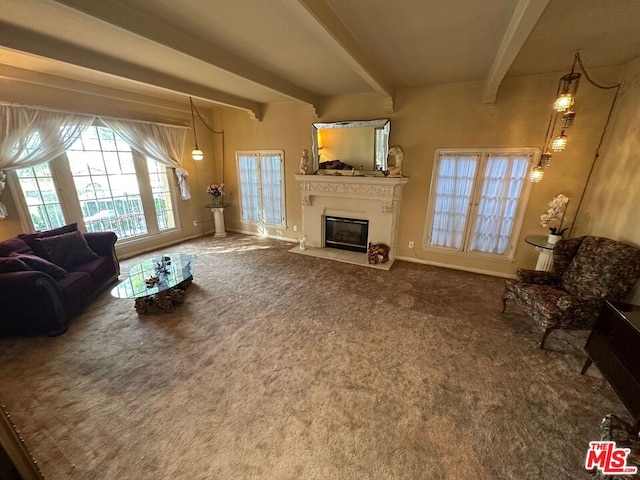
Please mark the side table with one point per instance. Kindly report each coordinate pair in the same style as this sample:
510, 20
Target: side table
218, 218
545, 250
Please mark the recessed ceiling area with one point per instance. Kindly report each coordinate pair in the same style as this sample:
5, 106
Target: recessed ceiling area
249, 53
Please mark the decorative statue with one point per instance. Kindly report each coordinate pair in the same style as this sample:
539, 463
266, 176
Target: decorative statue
304, 162
376, 250
396, 155
302, 241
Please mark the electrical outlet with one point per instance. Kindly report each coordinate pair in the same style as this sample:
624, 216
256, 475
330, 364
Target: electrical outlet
295, 228
410, 244
195, 223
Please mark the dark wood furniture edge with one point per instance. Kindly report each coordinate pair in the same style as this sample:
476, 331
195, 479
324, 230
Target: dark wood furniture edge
15, 448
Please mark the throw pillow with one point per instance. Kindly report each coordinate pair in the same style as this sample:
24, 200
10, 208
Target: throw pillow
67, 250
12, 264
30, 238
42, 265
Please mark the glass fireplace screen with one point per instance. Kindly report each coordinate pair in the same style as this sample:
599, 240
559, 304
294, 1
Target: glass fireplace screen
346, 233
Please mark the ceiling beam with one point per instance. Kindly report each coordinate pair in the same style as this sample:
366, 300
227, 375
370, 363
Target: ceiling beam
319, 17
154, 29
524, 18
24, 40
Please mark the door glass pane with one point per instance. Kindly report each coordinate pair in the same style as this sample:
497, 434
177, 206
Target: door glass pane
249, 188
271, 171
502, 184
454, 186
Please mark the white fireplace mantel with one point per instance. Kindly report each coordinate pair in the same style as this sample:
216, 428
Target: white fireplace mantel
376, 199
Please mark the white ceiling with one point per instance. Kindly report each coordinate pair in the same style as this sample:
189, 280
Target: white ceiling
246, 53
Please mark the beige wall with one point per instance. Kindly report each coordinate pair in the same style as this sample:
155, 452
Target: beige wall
444, 116
612, 199
118, 104
427, 118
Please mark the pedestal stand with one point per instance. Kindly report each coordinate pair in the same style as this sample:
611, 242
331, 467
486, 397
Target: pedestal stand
545, 252
218, 219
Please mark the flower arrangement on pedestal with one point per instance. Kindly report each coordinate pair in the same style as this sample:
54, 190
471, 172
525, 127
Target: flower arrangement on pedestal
554, 214
217, 191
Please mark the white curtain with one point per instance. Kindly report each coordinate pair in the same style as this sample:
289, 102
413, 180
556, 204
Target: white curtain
249, 188
504, 178
162, 143
271, 179
456, 174
29, 136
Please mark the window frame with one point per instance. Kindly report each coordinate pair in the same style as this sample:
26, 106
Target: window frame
261, 222
483, 153
70, 203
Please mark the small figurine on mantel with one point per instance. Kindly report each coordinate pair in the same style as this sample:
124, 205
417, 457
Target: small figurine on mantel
394, 161
304, 162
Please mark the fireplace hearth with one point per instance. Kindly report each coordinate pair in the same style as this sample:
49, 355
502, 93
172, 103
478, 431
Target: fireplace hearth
346, 233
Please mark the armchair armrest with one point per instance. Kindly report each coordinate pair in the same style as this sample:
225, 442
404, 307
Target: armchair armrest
573, 302
579, 312
102, 242
537, 277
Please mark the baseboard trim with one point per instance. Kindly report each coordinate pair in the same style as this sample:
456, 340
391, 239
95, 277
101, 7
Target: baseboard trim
457, 267
156, 246
256, 234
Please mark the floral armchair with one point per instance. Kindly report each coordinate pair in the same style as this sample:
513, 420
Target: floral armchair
586, 272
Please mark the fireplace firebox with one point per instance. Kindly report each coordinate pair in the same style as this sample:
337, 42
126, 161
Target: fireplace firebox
346, 233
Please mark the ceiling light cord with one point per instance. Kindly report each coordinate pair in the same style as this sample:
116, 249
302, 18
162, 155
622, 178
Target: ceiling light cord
597, 153
206, 124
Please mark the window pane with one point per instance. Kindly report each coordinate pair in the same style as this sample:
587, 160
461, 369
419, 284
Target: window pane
41, 197
161, 195
109, 199
454, 186
271, 180
249, 188
504, 177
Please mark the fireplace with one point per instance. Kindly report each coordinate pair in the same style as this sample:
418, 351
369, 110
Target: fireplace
374, 198
346, 233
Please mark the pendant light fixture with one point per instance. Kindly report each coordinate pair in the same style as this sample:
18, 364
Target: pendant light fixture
564, 115
196, 153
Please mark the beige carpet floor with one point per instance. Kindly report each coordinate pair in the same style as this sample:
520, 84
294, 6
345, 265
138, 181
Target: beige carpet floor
283, 366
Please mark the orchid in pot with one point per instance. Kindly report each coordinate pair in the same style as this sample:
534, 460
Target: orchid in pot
555, 214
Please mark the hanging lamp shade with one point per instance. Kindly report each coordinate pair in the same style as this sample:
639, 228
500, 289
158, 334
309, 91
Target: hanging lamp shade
197, 154
536, 174
568, 89
559, 143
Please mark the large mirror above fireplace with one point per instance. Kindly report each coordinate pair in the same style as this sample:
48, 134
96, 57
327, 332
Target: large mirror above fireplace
350, 147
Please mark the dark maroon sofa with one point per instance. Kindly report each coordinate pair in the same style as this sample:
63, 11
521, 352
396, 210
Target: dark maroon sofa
46, 278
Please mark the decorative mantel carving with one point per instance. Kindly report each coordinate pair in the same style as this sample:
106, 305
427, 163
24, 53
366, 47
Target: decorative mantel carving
347, 185
376, 199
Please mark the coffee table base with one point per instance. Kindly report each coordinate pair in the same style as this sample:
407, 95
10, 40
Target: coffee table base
163, 301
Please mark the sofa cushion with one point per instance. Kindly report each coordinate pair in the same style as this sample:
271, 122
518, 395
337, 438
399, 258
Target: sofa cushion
30, 238
14, 245
42, 265
12, 264
76, 285
67, 250
101, 269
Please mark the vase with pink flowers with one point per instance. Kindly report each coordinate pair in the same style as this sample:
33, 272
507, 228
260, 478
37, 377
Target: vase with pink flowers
216, 190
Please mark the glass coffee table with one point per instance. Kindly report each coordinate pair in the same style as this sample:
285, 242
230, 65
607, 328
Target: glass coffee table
158, 283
